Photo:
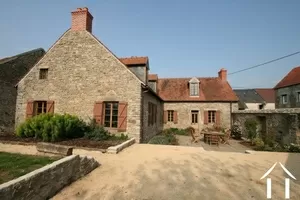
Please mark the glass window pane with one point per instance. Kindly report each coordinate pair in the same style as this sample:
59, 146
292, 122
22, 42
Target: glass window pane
107, 106
115, 112
115, 106
106, 124
114, 118
115, 124
107, 118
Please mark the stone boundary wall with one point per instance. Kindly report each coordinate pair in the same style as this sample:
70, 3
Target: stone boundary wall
281, 125
270, 111
116, 149
45, 182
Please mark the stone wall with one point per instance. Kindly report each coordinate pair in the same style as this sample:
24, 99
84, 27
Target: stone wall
82, 71
281, 124
11, 71
291, 92
148, 131
45, 182
185, 118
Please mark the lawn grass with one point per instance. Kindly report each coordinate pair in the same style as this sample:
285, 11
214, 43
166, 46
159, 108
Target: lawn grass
13, 165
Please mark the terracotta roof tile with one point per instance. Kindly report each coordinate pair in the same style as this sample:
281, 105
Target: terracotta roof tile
211, 89
134, 60
268, 94
292, 78
152, 77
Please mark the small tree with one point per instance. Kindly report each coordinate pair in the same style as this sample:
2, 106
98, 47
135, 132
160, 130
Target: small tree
251, 126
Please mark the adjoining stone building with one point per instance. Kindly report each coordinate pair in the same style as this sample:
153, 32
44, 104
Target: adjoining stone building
256, 99
288, 90
12, 69
79, 75
197, 102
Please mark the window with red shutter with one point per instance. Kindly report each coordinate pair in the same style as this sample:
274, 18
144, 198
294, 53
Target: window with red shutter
205, 117
29, 109
50, 106
122, 116
98, 112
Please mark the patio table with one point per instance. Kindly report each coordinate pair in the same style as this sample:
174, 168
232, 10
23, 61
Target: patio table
221, 135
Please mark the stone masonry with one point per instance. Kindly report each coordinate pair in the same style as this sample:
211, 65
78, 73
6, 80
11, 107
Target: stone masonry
150, 130
11, 71
81, 71
291, 92
184, 113
45, 182
282, 125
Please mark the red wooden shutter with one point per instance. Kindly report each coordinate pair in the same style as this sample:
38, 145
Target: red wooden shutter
218, 118
98, 109
122, 116
29, 109
205, 117
50, 106
165, 116
175, 117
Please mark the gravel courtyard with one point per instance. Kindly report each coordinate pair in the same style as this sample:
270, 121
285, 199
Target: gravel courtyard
157, 172
145, 172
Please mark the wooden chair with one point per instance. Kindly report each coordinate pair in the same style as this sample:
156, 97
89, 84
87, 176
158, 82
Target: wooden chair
214, 139
226, 137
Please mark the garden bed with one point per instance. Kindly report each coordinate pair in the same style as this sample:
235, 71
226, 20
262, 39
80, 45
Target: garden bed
78, 142
15, 165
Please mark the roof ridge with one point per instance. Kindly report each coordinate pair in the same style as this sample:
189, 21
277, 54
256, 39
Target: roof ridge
10, 58
24, 53
188, 77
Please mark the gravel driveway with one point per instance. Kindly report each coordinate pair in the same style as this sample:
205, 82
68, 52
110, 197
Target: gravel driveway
173, 172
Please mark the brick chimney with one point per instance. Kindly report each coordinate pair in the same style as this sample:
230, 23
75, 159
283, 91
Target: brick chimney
82, 20
223, 74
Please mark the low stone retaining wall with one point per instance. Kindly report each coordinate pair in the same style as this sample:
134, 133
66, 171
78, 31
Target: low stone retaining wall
54, 148
45, 182
120, 147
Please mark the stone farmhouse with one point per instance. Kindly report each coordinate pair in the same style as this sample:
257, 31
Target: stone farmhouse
288, 90
12, 69
79, 75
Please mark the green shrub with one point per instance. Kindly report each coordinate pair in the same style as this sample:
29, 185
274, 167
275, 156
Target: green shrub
164, 139
52, 127
294, 148
175, 131
258, 142
251, 126
97, 133
236, 131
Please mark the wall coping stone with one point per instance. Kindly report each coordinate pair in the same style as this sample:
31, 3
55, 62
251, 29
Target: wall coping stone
116, 149
59, 174
269, 111
54, 148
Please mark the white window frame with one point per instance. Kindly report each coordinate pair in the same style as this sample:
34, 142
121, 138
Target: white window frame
284, 99
194, 87
298, 96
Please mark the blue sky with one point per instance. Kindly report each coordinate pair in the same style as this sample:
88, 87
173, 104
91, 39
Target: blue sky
181, 38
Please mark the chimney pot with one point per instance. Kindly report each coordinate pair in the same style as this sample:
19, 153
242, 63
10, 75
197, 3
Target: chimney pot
81, 20
223, 74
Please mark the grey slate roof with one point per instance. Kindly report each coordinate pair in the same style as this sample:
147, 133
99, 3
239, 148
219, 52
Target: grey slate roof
13, 68
248, 96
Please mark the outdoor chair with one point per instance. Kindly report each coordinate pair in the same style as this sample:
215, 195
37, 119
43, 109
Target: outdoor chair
226, 137
207, 138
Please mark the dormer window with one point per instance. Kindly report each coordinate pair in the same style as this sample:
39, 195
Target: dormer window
194, 87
